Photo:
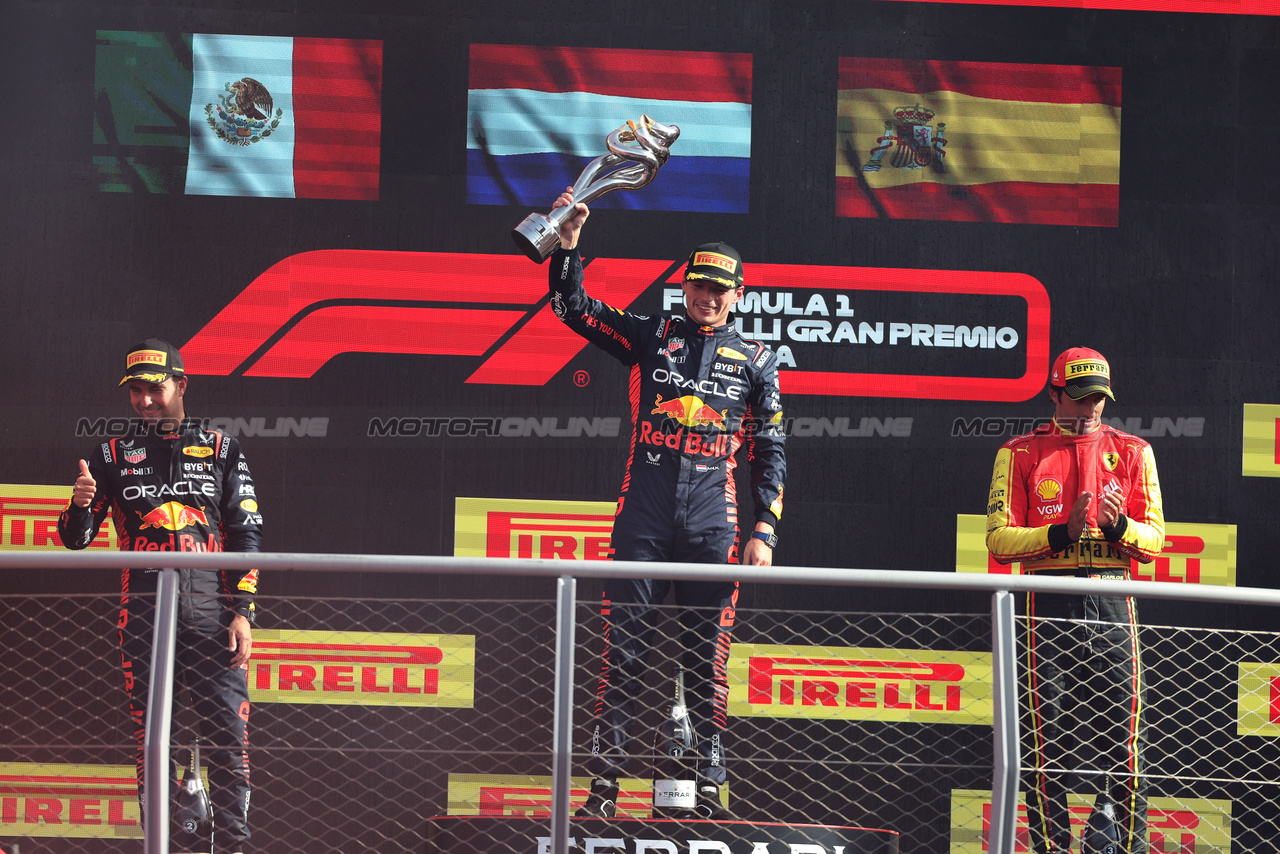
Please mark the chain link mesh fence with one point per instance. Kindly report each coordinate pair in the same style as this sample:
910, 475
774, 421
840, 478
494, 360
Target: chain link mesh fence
371, 718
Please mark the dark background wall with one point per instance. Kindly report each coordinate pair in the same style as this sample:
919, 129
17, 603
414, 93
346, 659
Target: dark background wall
1177, 296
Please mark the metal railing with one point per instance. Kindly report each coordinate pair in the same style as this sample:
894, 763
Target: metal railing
1005, 746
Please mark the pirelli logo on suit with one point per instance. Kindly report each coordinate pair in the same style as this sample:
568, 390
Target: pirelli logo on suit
860, 684
362, 669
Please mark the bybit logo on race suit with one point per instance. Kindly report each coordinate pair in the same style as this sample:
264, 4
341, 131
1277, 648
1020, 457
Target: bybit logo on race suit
511, 795
1182, 825
78, 801
363, 669
173, 516
860, 684
29, 518
544, 530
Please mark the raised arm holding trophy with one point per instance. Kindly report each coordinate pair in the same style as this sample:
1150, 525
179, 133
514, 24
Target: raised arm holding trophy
638, 152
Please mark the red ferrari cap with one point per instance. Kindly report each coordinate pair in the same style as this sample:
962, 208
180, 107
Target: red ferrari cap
1080, 372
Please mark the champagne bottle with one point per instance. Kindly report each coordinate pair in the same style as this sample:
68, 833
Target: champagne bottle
195, 812
674, 770
1102, 832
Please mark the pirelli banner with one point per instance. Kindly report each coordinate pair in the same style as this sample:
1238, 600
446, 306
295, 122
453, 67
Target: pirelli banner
29, 518
56, 799
859, 684
522, 796
1261, 449
1193, 553
547, 530
363, 669
1182, 825
1258, 709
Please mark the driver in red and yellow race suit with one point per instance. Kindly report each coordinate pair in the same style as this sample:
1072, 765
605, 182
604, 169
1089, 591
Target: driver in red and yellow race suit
174, 486
698, 392
1078, 498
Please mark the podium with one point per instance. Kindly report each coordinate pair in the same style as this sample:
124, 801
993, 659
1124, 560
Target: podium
463, 834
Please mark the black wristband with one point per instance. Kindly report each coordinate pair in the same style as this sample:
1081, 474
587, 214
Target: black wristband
1059, 539
1114, 532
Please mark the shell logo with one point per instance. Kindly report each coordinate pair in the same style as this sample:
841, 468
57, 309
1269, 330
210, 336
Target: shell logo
1048, 489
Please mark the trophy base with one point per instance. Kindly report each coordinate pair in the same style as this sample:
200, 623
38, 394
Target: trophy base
535, 237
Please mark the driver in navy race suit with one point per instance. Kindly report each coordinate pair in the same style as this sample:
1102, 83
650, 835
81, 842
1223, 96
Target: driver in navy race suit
698, 391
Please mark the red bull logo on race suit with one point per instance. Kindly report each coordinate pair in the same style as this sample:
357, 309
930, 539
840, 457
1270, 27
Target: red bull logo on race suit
689, 411
173, 516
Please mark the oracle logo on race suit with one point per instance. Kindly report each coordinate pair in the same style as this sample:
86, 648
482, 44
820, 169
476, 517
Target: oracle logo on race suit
314, 306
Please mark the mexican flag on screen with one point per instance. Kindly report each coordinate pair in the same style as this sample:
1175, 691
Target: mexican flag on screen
235, 115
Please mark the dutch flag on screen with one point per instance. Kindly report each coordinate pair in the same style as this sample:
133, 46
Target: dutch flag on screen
536, 116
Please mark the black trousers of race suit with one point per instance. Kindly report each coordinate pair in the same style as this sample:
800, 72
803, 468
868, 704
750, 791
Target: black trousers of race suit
1086, 698
219, 696
630, 611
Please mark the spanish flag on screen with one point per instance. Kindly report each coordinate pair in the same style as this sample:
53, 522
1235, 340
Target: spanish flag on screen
978, 142
235, 115
536, 116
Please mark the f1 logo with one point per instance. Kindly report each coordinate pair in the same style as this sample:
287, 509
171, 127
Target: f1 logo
314, 306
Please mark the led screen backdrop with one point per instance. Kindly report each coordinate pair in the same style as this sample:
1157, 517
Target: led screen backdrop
351, 306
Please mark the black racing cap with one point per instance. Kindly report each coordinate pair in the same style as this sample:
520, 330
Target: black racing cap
153, 361
716, 262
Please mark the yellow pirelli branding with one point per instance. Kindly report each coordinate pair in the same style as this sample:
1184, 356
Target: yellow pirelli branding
1261, 453
545, 530
1183, 825
530, 797
68, 800
1258, 699
362, 669
859, 684
29, 518
146, 357
715, 259
1194, 553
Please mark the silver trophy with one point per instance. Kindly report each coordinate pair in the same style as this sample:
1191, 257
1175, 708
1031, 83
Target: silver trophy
638, 152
